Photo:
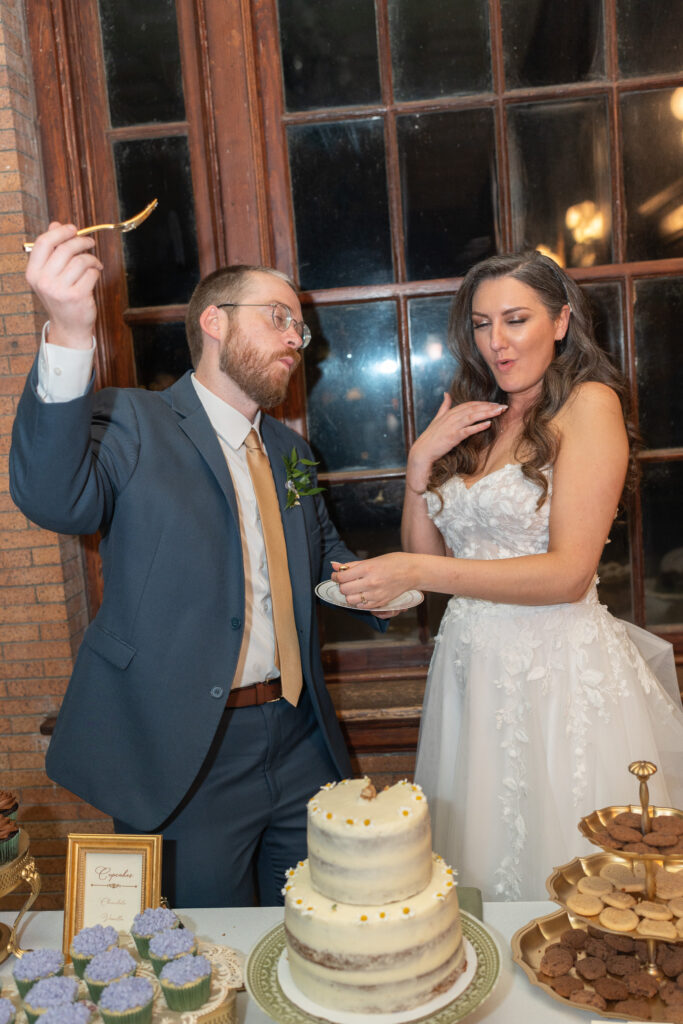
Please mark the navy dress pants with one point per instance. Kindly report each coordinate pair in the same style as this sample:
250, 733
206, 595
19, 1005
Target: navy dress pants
243, 822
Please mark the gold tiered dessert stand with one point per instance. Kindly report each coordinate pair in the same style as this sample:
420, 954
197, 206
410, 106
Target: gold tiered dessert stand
20, 870
529, 943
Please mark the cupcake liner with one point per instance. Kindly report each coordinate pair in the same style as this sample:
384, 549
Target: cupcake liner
80, 963
142, 1015
24, 985
158, 963
96, 988
187, 997
9, 848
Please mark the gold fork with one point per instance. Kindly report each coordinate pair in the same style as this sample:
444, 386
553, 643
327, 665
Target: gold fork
124, 225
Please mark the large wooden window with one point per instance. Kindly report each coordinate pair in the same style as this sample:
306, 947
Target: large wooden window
375, 149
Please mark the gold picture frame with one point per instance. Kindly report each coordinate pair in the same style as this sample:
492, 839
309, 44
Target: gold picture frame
109, 879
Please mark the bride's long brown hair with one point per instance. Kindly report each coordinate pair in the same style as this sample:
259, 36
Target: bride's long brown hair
578, 358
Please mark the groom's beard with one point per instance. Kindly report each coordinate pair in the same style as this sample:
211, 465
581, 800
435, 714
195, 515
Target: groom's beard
261, 377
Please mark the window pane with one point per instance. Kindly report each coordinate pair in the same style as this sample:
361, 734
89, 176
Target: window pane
161, 354
547, 42
649, 37
142, 61
658, 319
439, 49
329, 53
449, 181
614, 571
663, 545
341, 210
162, 262
560, 180
368, 517
606, 306
653, 183
353, 381
432, 366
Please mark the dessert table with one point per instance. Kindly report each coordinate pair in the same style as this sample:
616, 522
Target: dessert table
514, 1001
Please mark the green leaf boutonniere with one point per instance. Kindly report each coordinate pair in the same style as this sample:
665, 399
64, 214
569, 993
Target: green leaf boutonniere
298, 478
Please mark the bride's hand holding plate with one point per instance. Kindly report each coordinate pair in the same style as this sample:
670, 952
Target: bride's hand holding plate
375, 582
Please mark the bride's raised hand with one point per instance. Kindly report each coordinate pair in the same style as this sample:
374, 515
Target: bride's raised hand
451, 425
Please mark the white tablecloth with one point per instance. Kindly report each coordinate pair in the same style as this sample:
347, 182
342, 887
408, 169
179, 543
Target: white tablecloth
514, 1001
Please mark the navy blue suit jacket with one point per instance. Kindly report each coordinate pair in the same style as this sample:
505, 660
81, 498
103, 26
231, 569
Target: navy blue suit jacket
155, 667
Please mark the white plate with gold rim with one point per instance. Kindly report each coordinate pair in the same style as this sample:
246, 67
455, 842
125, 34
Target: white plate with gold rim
329, 591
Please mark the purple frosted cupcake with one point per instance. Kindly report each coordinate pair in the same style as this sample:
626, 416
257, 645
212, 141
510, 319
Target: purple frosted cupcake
89, 942
169, 945
36, 965
9, 839
148, 923
186, 983
127, 1002
68, 1013
8, 1011
104, 968
47, 993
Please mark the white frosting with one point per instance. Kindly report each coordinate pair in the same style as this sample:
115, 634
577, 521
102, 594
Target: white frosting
372, 848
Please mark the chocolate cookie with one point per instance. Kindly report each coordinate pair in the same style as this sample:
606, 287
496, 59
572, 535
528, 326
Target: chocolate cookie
672, 963
620, 943
634, 1009
597, 947
667, 823
591, 967
610, 988
671, 994
574, 938
565, 985
629, 819
587, 998
622, 964
556, 961
625, 834
660, 839
642, 984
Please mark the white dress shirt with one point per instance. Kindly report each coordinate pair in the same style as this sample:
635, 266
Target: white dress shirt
64, 374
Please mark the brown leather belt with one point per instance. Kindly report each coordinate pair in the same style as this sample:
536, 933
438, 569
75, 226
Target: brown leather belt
255, 693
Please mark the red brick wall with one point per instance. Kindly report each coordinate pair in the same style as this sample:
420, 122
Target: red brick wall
42, 591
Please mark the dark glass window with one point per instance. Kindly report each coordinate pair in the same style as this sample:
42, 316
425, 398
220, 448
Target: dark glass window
161, 354
449, 184
142, 61
341, 210
653, 181
649, 37
658, 319
162, 262
662, 492
439, 49
353, 378
548, 42
614, 571
560, 180
606, 299
432, 367
329, 53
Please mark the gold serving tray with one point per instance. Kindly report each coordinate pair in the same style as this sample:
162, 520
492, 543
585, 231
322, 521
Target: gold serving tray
563, 881
529, 944
597, 821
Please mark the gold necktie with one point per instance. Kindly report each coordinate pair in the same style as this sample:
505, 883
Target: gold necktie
287, 654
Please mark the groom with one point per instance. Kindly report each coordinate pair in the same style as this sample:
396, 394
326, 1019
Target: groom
175, 720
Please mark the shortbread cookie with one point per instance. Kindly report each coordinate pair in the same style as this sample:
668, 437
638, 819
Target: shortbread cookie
618, 920
621, 877
657, 929
669, 883
676, 906
584, 905
653, 911
618, 899
593, 885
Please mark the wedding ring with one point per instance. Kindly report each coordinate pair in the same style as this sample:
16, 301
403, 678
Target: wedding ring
363, 599
343, 567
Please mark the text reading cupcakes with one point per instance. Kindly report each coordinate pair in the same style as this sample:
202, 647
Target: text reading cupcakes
104, 968
148, 923
169, 945
89, 942
186, 983
47, 993
35, 965
128, 1001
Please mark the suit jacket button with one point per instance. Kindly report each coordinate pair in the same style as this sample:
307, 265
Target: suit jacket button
235, 623
217, 691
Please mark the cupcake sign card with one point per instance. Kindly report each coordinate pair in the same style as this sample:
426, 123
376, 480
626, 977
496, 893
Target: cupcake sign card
109, 879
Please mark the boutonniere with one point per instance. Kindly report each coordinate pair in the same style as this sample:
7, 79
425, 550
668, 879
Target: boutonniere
298, 478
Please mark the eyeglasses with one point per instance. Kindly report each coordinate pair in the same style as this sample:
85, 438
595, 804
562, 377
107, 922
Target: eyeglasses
282, 318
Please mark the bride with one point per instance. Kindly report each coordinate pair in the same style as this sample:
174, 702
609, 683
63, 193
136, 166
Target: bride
537, 699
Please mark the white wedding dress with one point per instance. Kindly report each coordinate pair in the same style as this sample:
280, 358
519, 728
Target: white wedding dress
533, 714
